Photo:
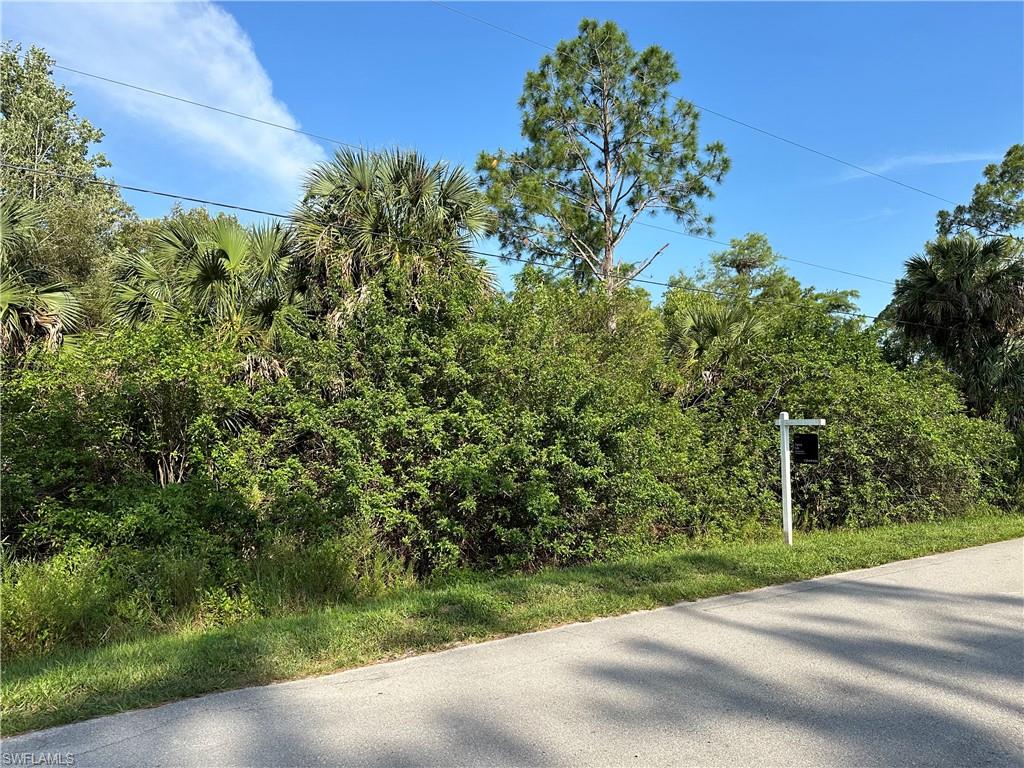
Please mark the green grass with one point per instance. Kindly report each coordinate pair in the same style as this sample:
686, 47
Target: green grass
77, 684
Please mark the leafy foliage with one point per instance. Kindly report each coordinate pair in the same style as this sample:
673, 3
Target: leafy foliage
964, 298
241, 280
478, 430
82, 226
366, 213
706, 337
276, 417
898, 445
606, 145
997, 205
29, 310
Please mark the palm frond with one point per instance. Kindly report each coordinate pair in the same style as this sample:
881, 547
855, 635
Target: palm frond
366, 213
20, 221
29, 312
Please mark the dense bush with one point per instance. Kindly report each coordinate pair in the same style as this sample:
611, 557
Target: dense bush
67, 598
258, 419
898, 445
150, 479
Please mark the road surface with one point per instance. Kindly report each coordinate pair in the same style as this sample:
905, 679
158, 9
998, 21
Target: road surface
919, 662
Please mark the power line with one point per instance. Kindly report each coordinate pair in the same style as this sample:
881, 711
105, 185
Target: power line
722, 115
840, 160
677, 232
182, 99
144, 190
339, 142
651, 225
420, 241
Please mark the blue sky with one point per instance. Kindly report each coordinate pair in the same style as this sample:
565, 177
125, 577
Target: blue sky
926, 93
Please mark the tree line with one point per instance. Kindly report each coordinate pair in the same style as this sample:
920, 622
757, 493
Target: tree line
206, 419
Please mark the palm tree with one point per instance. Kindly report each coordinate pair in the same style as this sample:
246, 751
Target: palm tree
365, 213
238, 279
965, 299
706, 337
31, 307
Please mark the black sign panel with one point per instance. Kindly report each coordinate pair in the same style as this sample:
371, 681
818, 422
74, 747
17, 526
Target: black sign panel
805, 448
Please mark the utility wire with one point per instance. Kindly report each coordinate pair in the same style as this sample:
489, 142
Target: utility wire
420, 241
722, 115
182, 99
840, 160
113, 185
786, 258
339, 142
677, 232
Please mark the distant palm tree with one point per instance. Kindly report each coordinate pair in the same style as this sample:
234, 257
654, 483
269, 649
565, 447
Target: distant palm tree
706, 337
31, 307
965, 297
366, 212
239, 279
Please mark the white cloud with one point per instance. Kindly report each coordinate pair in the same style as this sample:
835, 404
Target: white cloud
920, 161
195, 50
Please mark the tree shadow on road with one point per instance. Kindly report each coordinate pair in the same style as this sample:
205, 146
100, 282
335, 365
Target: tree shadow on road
877, 698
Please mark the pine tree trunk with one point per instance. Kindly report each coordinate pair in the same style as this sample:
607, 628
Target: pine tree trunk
608, 267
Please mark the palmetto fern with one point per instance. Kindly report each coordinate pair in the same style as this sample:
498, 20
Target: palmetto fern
367, 212
20, 221
966, 298
30, 308
238, 279
707, 336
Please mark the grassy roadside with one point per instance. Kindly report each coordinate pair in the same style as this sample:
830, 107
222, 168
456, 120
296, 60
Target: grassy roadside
78, 684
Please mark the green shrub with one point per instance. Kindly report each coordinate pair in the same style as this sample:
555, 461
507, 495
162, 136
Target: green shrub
102, 440
148, 483
898, 445
218, 607
285, 576
179, 577
68, 599
499, 435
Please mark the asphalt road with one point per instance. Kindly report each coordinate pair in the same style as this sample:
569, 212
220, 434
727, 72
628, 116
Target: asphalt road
919, 662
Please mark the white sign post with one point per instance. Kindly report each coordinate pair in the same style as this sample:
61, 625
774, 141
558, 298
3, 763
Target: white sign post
784, 423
